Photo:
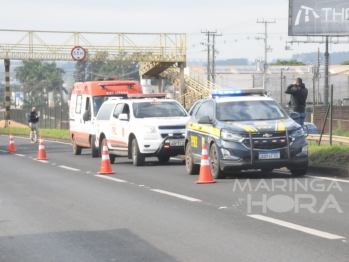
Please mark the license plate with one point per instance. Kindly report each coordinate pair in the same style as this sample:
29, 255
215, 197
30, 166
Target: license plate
269, 155
177, 143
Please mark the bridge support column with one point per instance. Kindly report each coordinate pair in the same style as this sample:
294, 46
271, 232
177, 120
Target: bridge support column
159, 84
7, 90
181, 78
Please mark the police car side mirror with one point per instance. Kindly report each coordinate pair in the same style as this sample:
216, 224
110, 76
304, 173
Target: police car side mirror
86, 116
204, 120
123, 117
294, 115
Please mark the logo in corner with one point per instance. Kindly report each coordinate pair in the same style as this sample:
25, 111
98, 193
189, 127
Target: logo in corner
306, 19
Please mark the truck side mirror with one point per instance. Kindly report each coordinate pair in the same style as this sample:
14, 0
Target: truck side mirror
86, 116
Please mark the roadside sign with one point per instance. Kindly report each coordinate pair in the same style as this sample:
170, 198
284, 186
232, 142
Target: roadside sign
78, 53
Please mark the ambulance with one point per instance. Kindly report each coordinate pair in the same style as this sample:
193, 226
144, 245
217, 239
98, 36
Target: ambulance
86, 99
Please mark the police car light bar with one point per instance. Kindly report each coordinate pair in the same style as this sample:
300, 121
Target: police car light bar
153, 95
237, 92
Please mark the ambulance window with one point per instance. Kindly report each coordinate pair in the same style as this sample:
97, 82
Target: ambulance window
118, 110
206, 109
78, 104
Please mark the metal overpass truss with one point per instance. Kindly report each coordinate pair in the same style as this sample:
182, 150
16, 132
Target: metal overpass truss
196, 86
155, 51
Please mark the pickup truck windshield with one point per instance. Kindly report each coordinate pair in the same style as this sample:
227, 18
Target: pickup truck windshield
158, 109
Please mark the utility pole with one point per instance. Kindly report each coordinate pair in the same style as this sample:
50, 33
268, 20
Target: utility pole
213, 56
208, 33
326, 73
266, 49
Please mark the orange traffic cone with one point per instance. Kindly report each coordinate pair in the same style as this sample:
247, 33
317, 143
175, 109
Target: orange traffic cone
41, 152
205, 175
105, 164
11, 145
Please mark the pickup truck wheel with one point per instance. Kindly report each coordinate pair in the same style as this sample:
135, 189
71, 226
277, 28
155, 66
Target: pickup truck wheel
192, 169
164, 159
299, 172
94, 149
76, 148
216, 171
137, 157
112, 158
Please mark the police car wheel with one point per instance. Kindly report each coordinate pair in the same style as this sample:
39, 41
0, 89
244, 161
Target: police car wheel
216, 171
163, 159
94, 149
299, 172
137, 157
76, 148
192, 169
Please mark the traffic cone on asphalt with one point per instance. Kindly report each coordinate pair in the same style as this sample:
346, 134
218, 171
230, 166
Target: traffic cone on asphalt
11, 145
205, 175
105, 164
41, 152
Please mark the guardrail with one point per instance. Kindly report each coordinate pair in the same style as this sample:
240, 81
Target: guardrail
338, 139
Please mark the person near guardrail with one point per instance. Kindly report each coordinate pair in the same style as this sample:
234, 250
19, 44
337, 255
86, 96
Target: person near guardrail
299, 94
33, 119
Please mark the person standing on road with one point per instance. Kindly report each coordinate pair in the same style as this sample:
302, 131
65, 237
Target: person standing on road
299, 94
33, 119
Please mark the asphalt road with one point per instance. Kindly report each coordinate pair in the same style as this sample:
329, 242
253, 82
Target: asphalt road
62, 210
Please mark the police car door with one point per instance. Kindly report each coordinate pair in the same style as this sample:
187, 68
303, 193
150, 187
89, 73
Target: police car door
200, 130
123, 128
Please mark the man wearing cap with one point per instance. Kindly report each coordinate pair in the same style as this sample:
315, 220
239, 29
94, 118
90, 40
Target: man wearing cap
33, 120
299, 94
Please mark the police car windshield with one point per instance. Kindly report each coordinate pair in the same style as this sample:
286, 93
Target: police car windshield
249, 110
98, 101
157, 109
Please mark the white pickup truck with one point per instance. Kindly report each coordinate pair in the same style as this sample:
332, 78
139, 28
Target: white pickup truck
141, 127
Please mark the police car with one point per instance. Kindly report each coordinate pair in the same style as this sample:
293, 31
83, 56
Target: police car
244, 129
140, 126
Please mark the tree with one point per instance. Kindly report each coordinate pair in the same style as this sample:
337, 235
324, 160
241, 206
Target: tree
38, 79
291, 62
345, 62
80, 71
122, 70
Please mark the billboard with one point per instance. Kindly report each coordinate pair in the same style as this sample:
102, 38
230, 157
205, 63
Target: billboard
318, 18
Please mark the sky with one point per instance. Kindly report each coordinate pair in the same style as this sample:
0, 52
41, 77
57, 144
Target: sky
236, 20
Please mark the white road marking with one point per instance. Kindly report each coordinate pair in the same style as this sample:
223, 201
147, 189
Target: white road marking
112, 178
3, 151
69, 168
41, 161
222, 208
176, 195
328, 178
296, 227
19, 155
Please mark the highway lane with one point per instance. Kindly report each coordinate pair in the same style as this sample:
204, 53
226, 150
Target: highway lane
47, 208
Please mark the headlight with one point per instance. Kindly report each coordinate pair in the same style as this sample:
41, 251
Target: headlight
228, 135
149, 129
297, 133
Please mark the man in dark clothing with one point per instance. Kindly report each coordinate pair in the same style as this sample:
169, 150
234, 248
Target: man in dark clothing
33, 119
299, 94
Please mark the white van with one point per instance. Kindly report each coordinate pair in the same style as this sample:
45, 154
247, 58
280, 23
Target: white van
86, 99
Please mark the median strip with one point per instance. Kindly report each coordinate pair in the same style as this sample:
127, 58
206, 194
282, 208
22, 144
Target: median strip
69, 168
296, 227
176, 195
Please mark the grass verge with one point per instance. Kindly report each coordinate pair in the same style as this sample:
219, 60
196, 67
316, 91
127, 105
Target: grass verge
334, 155
44, 132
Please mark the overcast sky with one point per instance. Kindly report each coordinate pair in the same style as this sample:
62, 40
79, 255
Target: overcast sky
235, 19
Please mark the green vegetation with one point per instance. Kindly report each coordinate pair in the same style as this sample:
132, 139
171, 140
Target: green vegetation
334, 155
345, 63
288, 62
44, 132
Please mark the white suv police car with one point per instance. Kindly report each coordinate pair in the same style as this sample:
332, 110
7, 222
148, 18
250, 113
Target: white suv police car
244, 129
142, 126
